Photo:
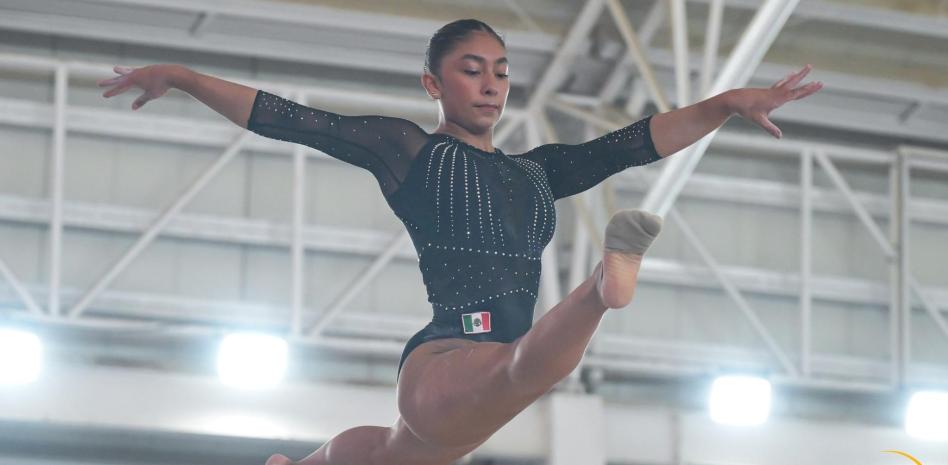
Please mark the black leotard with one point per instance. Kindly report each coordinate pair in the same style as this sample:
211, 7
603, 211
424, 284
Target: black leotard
479, 220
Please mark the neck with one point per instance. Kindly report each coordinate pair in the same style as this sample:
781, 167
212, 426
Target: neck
481, 140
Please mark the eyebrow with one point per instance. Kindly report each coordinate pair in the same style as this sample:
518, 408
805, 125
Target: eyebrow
481, 59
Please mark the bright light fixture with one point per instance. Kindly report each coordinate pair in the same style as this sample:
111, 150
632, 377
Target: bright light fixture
21, 357
739, 400
252, 361
927, 416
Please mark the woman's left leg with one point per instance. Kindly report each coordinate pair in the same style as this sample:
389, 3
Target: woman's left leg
474, 390
470, 392
553, 348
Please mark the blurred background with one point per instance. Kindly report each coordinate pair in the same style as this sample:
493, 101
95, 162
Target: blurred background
173, 293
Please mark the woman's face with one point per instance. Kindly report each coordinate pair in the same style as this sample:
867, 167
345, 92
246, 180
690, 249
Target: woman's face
473, 87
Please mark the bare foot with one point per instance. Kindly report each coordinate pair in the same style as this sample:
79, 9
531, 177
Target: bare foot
628, 236
279, 459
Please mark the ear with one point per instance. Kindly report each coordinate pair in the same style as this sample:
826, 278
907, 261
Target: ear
431, 84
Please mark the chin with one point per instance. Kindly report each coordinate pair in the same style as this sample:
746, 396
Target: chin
483, 122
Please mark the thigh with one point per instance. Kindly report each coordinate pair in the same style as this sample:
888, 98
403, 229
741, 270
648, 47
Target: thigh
404, 447
419, 362
453, 396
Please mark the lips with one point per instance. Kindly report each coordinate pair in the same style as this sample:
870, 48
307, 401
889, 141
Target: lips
495, 107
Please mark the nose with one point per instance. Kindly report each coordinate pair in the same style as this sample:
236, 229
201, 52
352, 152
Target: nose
490, 86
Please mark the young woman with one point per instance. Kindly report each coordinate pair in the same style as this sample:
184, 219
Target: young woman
479, 220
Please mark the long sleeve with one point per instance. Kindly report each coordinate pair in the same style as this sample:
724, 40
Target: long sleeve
385, 146
574, 168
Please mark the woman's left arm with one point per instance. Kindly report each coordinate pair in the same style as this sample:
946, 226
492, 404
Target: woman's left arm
675, 130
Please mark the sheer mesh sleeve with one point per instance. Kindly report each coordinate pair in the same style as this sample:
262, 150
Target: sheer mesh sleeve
572, 169
385, 146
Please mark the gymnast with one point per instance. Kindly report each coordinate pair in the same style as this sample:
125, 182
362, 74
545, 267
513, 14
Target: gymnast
479, 220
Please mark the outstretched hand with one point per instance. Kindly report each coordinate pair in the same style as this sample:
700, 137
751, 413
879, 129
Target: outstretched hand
755, 104
154, 80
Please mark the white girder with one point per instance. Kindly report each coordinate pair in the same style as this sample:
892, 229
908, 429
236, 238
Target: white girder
159, 224
737, 71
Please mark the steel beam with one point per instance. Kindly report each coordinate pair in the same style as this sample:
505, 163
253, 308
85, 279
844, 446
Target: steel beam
92, 120
616, 81
660, 355
523, 16
734, 293
806, 254
397, 241
854, 14
861, 212
57, 166
637, 51
565, 54
7, 274
712, 37
928, 305
679, 33
297, 252
160, 222
745, 58
901, 220
319, 18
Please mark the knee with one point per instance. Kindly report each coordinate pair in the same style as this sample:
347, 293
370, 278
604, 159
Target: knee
279, 459
365, 444
379, 445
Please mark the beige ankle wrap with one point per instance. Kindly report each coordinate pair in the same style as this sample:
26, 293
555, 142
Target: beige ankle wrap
632, 231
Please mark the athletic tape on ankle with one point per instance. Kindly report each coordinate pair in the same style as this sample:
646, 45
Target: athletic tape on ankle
632, 231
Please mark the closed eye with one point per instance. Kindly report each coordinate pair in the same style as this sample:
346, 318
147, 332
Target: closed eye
474, 73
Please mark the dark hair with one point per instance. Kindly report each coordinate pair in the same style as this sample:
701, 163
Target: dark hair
446, 38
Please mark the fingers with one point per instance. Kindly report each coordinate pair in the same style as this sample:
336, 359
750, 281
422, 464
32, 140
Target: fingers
770, 127
794, 78
799, 76
140, 101
121, 79
806, 90
116, 90
109, 82
780, 82
121, 70
784, 80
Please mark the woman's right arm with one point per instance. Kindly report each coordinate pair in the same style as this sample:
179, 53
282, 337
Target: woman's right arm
230, 99
233, 101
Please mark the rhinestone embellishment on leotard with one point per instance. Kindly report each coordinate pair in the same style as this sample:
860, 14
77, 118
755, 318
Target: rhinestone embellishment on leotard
510, 198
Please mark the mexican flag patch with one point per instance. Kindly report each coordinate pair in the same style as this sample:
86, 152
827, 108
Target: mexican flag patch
476, 322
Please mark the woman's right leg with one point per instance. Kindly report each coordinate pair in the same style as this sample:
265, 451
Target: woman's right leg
377, 445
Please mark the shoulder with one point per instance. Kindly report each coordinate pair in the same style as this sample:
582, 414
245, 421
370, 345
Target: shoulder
540, 151
391, 125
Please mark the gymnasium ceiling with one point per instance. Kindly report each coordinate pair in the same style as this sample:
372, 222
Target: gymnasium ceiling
891, 52
884, 62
